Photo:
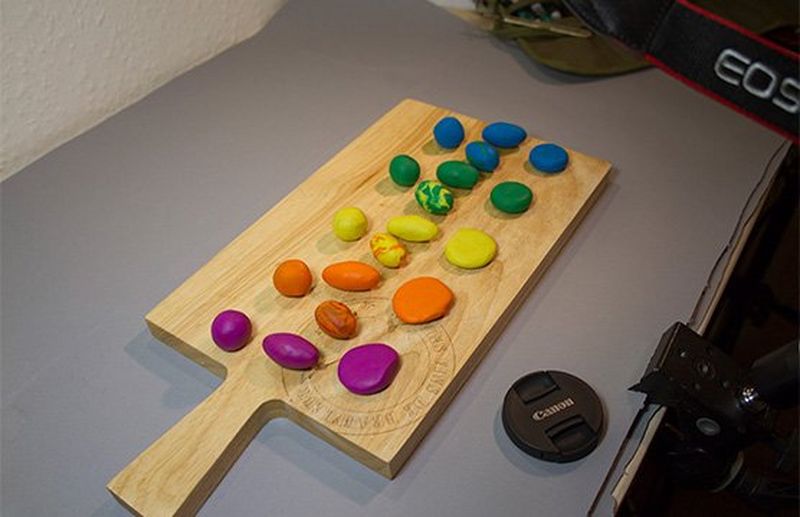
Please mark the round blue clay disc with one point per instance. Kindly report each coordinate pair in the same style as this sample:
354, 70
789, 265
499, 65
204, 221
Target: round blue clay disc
549, 158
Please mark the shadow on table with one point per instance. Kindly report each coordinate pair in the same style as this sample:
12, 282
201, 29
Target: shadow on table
173, 367
187, 385
111, 508
322, 461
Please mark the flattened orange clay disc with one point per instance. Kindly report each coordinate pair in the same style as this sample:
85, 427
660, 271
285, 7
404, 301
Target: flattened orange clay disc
422, 299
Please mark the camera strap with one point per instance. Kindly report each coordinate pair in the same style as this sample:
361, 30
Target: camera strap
713, 55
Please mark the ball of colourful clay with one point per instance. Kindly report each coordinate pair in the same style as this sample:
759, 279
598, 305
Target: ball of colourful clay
482, 156
454, 173
470, 248
350, 224
511, 197
422, 299
387, 250
231, 330
404, 170
336, 319
448, 133
290, 350
504, 134
434, 197
412, 228
368, 369
550, 158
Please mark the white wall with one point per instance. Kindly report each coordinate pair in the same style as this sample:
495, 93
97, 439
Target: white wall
66, 65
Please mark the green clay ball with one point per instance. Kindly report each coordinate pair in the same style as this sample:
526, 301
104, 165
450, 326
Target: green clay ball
404, 170
434, 197
511, 197
457, 174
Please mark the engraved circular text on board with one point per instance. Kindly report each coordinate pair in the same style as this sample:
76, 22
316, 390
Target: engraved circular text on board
427, 364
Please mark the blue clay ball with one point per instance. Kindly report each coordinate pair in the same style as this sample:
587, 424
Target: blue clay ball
482, 156
449, 133
504, 134
549, 158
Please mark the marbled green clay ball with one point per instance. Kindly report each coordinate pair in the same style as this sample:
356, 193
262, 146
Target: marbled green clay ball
434, 197
404, 170
511, 197
457, 174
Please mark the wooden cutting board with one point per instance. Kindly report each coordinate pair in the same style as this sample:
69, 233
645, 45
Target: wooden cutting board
178, 472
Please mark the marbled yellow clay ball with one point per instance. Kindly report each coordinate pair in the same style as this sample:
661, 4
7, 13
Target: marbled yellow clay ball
412, 228
350, 224
387, 250
434, 197
470, 248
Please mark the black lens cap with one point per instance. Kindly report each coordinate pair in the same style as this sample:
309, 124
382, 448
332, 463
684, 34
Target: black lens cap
553, 416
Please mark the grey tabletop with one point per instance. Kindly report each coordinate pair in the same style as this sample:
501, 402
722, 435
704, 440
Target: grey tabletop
97, 232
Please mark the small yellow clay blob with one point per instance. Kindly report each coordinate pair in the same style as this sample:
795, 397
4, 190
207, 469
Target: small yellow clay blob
350, 224
470, 248
387, 250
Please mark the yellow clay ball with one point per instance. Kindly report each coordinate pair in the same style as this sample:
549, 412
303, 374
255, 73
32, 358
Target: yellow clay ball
412, 228
350, 224
470, 248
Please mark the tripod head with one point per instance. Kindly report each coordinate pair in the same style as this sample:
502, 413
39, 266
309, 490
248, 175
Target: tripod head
720, 408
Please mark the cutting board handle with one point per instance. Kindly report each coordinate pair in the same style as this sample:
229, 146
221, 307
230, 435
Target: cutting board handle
178, 471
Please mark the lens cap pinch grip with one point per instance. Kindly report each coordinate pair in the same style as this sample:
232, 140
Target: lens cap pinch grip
553, 416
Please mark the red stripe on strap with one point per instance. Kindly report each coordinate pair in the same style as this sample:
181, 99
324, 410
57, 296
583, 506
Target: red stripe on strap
705, 91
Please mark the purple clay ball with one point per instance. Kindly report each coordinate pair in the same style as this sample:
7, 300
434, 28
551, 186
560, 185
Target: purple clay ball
231, 330
291, 350
369, 368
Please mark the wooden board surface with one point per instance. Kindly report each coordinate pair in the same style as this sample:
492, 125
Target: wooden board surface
178, 472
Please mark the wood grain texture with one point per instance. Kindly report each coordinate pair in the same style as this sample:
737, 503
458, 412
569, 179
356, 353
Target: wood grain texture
178, 472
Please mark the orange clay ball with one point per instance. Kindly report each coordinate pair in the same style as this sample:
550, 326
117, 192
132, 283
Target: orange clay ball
422, 299
351, 276
292, 278
336, 319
